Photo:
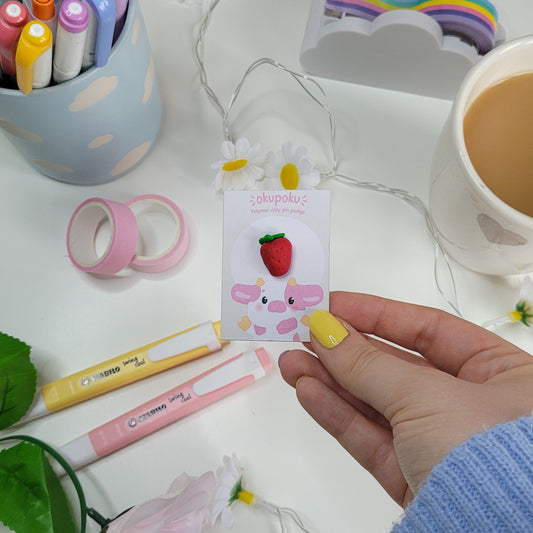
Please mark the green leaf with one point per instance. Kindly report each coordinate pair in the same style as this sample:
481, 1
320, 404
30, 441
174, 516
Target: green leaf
524, 309
32, 497
18, 380
268, 238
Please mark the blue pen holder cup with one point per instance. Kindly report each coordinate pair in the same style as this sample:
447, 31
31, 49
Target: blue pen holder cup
97, 126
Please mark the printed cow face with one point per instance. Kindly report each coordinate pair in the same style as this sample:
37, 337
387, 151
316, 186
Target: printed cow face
276, 308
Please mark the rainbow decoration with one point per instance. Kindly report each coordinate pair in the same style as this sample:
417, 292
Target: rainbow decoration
475, 20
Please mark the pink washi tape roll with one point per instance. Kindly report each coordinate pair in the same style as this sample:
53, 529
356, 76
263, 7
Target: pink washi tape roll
82, 230
173, 254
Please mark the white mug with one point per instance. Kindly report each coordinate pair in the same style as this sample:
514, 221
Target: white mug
476, 227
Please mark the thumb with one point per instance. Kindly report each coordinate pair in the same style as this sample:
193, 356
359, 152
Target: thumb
371, 374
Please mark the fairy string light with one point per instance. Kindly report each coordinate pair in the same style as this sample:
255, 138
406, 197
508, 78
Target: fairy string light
333, 173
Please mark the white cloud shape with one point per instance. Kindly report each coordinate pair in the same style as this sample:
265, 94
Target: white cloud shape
402, 50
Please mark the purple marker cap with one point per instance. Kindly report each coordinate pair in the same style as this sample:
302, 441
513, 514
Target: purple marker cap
73, 16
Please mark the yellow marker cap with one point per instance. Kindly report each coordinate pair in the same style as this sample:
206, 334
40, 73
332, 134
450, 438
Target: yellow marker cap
35, 40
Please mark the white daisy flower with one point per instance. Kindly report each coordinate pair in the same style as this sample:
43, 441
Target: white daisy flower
523, 311
290, 168
229, 489
240, 168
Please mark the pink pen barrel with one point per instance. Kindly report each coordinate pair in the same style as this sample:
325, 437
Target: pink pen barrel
13, 17
177, 403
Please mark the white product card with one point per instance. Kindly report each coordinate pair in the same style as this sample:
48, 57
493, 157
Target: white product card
270, 289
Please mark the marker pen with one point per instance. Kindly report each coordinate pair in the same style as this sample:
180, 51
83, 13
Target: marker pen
34, 57
90, 42
167, 408
71, 35
161, 355
121, 6
44, 11
13, 17
100, 33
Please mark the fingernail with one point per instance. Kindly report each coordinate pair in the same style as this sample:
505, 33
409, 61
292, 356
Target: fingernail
298, 381
326, 329
281, 355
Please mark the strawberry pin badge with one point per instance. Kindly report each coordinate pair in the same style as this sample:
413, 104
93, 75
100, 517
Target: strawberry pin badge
276, 252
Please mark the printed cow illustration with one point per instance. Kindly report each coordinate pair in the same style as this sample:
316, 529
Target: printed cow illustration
276, 308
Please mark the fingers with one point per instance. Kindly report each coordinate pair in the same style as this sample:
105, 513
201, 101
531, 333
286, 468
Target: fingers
448, 342
394, 350
369, 443
297, 363
376, 377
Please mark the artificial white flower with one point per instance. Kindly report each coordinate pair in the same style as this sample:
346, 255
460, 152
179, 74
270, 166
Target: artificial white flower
185, 508
290, 168
240, 168
523, 311
229, 489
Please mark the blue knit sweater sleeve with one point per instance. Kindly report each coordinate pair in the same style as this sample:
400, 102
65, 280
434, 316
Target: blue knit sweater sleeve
483, 485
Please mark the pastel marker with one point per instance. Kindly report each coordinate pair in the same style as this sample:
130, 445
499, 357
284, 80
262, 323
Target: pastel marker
34, 57
44, 11
167, 408
121, 7
90, 42
71, 36
151, 359
102, 18
13, 17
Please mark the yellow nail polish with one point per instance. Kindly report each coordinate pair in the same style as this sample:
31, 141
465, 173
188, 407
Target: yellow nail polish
326, 329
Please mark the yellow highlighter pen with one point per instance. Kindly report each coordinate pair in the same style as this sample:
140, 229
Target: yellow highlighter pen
151, 359
33, 57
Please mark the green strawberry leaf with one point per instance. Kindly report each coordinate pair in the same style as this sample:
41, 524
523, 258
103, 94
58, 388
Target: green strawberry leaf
18, 380
269, 238
32, 497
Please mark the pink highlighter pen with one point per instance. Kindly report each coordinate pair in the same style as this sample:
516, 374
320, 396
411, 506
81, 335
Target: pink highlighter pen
173, 405
13, 17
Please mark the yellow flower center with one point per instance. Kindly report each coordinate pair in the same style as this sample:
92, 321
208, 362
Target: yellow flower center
515, 316
246, 497
237, 164
289, 177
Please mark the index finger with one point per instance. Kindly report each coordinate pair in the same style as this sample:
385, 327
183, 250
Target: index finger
377, 377
446, 341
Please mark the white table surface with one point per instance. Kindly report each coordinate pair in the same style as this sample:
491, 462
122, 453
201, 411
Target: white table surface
379, 245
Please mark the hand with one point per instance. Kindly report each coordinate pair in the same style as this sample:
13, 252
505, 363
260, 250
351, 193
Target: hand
399, 413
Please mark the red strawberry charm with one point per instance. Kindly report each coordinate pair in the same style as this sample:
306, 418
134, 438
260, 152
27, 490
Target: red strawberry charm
276, 251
